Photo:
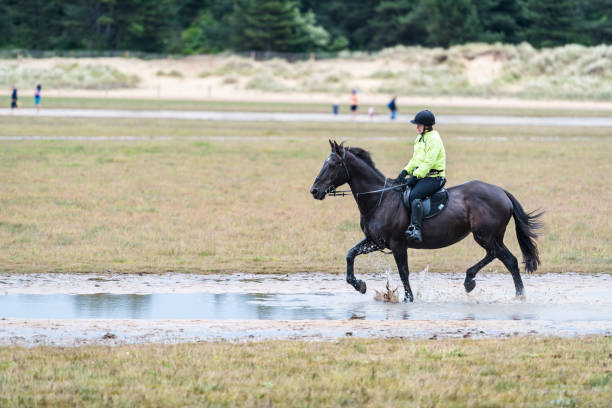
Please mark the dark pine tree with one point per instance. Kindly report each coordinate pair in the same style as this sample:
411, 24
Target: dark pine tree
349, 20
501, 20
451, 22
551, 22
6, 24
145, 25
268, 25
90, 24
36, 24
398, 22
597, 22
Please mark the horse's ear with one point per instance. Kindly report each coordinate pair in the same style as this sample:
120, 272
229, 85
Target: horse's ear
343, 147
331, 144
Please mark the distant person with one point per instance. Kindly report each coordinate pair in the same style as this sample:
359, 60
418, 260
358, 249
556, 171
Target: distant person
392, 108
336, 108
354, 103
14, 99
371, 112
37, 97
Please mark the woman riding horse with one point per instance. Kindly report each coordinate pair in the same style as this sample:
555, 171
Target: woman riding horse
426, 170
475, 207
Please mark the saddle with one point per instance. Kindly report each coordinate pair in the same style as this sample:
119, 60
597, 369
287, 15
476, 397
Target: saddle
433, 204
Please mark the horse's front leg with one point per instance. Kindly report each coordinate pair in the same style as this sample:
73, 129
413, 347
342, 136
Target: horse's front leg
365, 246
401, 259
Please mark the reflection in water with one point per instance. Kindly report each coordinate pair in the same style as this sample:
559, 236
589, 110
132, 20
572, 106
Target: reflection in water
269, 306
107, 305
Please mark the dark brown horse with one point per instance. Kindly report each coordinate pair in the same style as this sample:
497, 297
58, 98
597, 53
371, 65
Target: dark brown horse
474, 207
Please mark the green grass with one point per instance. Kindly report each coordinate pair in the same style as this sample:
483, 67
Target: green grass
27, 101
373, 373
242, 204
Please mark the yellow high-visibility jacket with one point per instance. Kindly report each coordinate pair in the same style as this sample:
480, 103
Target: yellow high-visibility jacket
428, 155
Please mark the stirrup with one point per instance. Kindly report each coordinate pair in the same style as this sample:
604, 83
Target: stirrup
413, 233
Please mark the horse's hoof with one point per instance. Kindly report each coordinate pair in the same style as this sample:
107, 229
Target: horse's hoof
362, 287
520, 295
408, 299
469, 285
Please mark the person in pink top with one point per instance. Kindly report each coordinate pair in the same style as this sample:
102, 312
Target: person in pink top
354, 103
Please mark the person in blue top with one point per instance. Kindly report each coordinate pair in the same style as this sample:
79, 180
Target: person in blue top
426, 170
37, 97
392, 108
14, 99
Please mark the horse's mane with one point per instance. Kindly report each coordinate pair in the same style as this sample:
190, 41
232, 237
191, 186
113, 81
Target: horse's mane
365, 156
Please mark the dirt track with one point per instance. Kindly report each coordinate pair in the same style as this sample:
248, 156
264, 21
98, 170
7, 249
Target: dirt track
310, 117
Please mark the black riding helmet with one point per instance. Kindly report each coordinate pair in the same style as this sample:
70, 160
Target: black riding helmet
424, 117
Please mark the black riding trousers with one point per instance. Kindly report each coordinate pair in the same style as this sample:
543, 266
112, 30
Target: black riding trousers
426, 187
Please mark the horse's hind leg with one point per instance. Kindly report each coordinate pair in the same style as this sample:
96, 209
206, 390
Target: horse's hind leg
509, 260
470, 274
365, 246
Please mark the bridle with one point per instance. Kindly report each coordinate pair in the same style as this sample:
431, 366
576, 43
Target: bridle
331, 190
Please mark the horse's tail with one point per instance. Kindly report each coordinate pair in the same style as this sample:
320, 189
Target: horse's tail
526, 227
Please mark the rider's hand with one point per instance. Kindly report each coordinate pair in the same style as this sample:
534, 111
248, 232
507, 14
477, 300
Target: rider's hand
412, 180
400, 178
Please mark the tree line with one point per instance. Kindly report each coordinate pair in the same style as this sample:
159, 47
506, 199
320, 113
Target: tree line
208, 26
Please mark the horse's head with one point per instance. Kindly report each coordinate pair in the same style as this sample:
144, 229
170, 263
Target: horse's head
333, 173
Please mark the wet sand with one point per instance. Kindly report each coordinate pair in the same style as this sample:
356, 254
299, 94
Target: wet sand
30, 332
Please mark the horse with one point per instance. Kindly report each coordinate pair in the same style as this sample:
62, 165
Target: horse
475, 207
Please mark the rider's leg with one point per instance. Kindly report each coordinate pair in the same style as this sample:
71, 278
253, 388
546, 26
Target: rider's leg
423, 188
416, 219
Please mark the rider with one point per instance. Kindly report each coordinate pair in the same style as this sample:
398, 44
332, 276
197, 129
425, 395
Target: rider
426, 170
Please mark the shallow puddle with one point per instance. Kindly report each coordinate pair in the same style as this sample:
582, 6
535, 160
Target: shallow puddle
57, 309
272, 306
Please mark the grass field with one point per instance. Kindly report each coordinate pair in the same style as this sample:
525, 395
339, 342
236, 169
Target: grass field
243, 203
232, 106
373, 373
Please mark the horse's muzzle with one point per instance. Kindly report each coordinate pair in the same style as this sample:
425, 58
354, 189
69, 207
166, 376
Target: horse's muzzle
317, 193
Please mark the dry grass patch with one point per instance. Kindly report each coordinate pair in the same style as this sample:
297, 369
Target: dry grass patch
244, 205
374, 373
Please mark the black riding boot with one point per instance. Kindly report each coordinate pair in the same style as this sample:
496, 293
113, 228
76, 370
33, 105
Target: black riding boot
414, 230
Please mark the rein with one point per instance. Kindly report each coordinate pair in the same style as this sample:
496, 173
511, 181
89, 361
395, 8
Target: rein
341, 193
331, 191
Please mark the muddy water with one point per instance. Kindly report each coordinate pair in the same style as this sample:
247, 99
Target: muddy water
81, 309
